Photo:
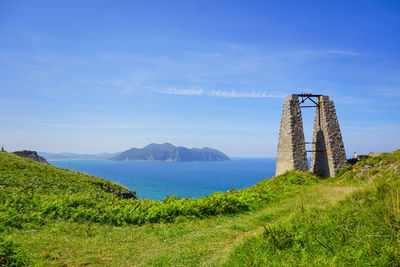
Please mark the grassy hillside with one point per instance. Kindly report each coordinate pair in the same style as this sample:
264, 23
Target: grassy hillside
45, 193
363, 229
52, 216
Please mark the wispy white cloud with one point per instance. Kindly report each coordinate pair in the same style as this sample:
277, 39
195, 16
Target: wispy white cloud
221, 93
344, 52
248, 94
174, 91
227, 66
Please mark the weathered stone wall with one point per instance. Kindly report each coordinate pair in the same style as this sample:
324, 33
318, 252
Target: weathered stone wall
291, 146
329, 155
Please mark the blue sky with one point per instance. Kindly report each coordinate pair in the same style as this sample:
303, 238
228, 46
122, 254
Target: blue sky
104, 76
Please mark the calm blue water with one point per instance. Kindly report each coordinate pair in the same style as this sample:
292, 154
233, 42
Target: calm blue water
156, 180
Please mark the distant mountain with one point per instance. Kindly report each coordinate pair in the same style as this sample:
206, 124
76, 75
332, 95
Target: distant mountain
169, 152
72, 156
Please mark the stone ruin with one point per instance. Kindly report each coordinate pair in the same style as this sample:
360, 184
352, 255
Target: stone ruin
327, 154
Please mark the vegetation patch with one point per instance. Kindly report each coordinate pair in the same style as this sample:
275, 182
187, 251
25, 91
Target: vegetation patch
33, 193
53, 216
361, 230
12, 254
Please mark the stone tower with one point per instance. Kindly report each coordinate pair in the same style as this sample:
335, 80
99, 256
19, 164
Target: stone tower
291, 147
328, 154
328, 149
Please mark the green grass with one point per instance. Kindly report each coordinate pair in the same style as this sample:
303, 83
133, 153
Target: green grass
52, 217
363, 229
46, 193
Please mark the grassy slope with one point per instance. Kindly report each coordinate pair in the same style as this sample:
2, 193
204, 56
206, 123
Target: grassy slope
45, 193
230, 236
362, 230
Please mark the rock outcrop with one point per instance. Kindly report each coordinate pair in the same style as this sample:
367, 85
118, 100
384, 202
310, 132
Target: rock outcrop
31, 155
121, 193
374, 154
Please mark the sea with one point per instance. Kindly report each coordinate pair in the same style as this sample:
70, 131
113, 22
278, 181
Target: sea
156, 180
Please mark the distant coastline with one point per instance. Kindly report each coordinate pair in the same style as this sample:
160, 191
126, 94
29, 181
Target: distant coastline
76, 156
